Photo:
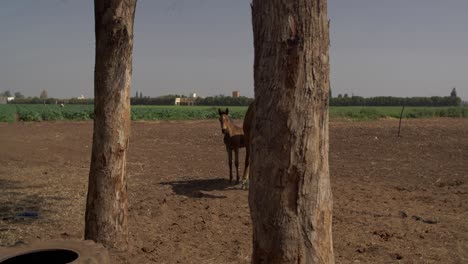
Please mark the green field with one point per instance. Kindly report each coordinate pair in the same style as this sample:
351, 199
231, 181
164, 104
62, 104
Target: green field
30, 112
377, 112
12, 113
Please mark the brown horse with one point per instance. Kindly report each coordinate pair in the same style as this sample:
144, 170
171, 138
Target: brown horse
236, 137
233, 139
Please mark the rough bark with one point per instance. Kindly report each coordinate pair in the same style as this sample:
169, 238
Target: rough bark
107, 201
290, 197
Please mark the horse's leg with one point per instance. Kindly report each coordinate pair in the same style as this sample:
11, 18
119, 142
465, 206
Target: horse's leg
236, 150
229, 150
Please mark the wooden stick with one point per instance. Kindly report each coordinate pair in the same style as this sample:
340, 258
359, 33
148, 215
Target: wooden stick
401, 115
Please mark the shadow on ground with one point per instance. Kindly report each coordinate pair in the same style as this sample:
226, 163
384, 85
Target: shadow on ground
17, 203
197, 188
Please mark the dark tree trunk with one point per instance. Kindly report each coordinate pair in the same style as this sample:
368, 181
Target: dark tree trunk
107, 201
290, 196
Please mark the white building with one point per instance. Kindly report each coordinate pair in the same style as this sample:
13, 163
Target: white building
185, 101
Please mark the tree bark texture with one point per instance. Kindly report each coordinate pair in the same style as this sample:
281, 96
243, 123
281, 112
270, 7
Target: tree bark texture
290, 196
107, 201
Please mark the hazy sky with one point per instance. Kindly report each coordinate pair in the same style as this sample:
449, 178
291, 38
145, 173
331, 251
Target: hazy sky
378, 47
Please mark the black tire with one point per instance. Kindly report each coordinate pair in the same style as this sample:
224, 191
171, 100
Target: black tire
87, 250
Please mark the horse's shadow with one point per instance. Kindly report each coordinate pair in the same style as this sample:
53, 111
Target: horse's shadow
198, 188
19, 203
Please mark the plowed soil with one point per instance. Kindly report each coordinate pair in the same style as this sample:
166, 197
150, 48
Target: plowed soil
396, 200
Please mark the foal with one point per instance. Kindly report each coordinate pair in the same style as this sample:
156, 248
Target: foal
233, 140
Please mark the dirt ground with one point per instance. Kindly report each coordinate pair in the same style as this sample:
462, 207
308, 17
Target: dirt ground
396, 200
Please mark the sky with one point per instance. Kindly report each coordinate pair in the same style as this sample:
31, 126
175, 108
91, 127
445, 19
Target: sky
378, 47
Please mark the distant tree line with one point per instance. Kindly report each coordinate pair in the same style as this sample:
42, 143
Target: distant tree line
395, 101
221, 100
345, 100
38, 100
160, 100
7, 93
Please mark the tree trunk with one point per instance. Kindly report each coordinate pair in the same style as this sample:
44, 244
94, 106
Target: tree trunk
107, 202
290, 197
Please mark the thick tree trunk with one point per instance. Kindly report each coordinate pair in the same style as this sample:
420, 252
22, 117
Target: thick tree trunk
290, 197
107, 202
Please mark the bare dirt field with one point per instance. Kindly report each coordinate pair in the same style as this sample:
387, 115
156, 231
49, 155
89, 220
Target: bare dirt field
396, 200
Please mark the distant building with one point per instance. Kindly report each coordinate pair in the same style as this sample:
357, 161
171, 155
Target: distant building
235, 94
10, 98
81, 97
184, 101
3, 100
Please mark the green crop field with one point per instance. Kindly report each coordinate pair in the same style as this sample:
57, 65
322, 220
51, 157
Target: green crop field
30, 112
7, 113
39, 112
377, 112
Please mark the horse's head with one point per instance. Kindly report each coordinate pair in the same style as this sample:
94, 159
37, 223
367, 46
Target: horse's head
224, 120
